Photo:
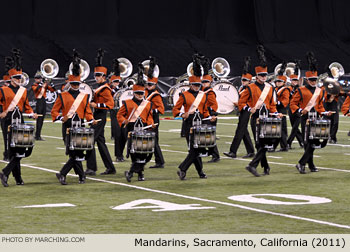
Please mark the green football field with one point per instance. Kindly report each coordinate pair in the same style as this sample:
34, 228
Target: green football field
164, 204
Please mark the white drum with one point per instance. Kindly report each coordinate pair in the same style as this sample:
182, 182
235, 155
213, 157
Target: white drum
174, 92
122, 95
226, 96
86, 89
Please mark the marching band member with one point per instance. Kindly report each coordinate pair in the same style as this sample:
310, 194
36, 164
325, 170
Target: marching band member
282, 104
14, 99
6, 82
294, 117
152, 95
102, 102
305, 101
118, 134
136, 112
212, 106
259, 97
193, 100
40, 88
75, 107
345, 108
243, 119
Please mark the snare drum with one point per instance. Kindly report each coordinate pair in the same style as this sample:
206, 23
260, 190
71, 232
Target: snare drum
203, 136
81, 138
174, 92
269, 127
226, 95
319, 129
122, 95
142, 142
22, 135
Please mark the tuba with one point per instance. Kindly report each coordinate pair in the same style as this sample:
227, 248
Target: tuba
146, 66
49, 68
125, 67
336, 69
84, 69
330, 83
220, 67
288, 72
24, 79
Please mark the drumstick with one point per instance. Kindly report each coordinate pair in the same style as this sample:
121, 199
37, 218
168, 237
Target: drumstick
131, 114
26, 114
275, 114
208, 118
87, 123
149, 126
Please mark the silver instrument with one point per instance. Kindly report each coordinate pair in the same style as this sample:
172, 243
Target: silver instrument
220, 67
84, 69
49, 68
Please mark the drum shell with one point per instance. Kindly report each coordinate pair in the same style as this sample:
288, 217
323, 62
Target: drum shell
269, 127
203, 136
22, 135
142, 142
81, 138
319, 129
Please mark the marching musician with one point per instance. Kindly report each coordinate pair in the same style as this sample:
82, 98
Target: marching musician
258, 98
75, 107
14, 99
345, 108
136, 113
40, 88
294, 117
282, 103
102, 102
152, 95
6, 82
243, 119
307, 101
194, 103
212, 106
118, 133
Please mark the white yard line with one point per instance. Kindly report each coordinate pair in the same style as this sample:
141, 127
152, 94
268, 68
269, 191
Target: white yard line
274, 157
200, 199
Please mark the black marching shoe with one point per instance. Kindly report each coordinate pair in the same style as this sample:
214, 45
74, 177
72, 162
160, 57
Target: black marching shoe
82, 179
157, 166
19, 181
61, 178
301, 168
249, 155
3, 179
214, 160
128, 176
120, 159
252, 170
141, 177
108, 171
266, 170
90, 172
181, 174
313, 169
202, 175
230, 154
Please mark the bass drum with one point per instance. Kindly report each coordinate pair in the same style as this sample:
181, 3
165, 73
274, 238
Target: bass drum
122, 95
86, 89
174, 92
226, 95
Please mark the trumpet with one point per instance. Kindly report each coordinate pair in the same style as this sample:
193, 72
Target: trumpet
49, 68
84, 69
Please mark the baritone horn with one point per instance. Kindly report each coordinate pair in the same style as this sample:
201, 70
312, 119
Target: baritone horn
220, 67
49, 68
125, 67
146, 66
24, 79
336, 69
289, 70
84, 69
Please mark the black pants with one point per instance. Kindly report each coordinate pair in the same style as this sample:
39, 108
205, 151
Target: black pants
114, 121
40, 110
14, 165
295, 122
333, 106
242, 133
138, 162
260, 156
158, 155
284, 134
120, 139
4, 129
101, 143
73, 163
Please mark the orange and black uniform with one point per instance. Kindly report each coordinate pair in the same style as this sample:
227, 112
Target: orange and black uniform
345, 108
299, 102
157, 108
40, 108
212, 106
138, 160
63, 103
186, 100
104, 100
242, 132
247, 101
6, 96
283, 94
294, 121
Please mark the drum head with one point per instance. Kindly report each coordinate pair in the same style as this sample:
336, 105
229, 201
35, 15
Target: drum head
175, 91
226, 96
86, 89
123, 95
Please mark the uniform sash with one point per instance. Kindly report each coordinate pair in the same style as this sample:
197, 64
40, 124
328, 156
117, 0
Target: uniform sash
139, 110
263, 96
16, 99
196, 102
312, 101
75, 105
